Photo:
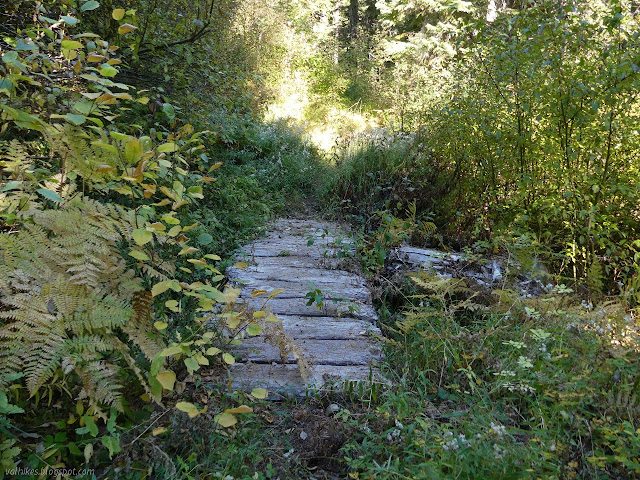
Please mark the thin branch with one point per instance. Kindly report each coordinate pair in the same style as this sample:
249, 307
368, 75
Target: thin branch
196, 36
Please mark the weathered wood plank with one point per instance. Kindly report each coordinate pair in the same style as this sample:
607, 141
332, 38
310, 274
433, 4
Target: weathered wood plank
294, 289
297, 261
297, 306
327, 328
357, 351
287, 381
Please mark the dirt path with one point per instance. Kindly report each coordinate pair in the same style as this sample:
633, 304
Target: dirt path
319, 345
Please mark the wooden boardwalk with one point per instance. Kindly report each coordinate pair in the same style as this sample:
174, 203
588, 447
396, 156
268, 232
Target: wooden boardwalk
326, 346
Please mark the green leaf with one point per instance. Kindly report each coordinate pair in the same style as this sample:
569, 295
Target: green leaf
108, 71
49, 195
75, 118
254, 329
91, 5
112, 443
88, 452
91, 425
106, 146
71, 44
259, 393
73, 449
84, 107
11, 185
141, 237
204, 239
191, 364
133, 151
69, 20
169, 111
21, 45
195, 192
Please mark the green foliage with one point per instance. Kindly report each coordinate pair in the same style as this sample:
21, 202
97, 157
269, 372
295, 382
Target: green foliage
502, 395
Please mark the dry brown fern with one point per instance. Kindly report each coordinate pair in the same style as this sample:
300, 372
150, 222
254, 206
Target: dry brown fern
69, 306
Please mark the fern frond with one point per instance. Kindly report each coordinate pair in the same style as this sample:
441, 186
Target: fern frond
65, 296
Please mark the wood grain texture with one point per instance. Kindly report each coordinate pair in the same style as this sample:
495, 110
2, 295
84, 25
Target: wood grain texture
338, 341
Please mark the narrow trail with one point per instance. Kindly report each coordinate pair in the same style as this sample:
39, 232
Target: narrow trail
318, 346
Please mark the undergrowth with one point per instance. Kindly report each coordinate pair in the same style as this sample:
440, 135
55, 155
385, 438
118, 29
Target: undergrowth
530, 388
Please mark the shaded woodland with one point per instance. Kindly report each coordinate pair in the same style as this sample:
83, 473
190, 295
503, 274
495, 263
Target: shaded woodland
142, 142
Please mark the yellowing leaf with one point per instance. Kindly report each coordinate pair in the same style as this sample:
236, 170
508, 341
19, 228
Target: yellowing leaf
141, 237
173, 350
258, 293
117, 14
170, 219
207, 179
259, 393
197, 261
276, 291
214, 167
172, 305
71, 44
145, 397
160, 287
167, 379
240, 409
241, 265
233, 321
201, 359
187, 250
186, 229
94, 57
167, 147
259, 314
139, 255
231, 294
173, 231
126, 28
158, 431
213, 351
88, 452
271, 318
228, 358
225, 420
133, 151
189, 408
254, 329
160, 325
179, 204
